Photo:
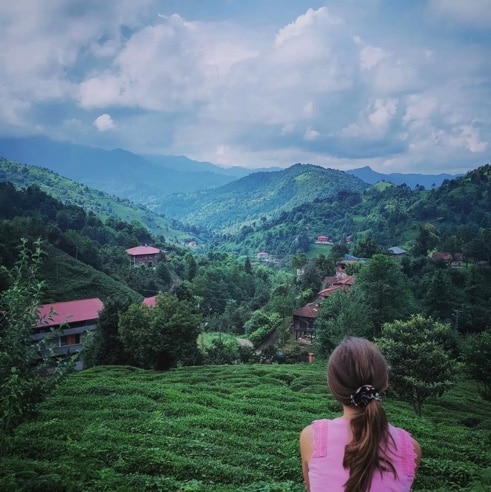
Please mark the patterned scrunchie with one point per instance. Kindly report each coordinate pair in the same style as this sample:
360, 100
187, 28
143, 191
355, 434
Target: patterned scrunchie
364, 395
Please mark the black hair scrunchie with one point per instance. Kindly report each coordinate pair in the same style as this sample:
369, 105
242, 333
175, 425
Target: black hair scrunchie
364, 395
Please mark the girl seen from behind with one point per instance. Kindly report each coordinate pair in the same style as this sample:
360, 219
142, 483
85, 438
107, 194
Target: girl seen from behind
359, 451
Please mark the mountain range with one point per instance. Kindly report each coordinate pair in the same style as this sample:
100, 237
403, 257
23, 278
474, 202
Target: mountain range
118, 171
147, 177
260, 195
175, 188
412, 180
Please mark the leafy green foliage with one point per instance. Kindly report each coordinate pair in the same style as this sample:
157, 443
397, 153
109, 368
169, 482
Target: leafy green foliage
102, 205
341, 315
23, 379
243, 202
160, 337
476, 354
218, 429
270, 324
106, 347
421, 359
384, 291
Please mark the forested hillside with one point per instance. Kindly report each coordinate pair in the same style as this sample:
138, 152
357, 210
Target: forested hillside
91, 200
84, 255
421, 310
257, 197
455, 216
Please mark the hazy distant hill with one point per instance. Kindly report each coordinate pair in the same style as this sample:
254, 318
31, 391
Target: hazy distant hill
146, 178
257, 196
118, 172
183, 164
412, 179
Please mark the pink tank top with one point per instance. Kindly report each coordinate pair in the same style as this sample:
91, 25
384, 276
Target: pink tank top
326, 471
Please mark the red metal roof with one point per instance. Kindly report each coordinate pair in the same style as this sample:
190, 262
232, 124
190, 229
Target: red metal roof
330, 290
143, 250
69, 312
348, 280
150, 301
308, 311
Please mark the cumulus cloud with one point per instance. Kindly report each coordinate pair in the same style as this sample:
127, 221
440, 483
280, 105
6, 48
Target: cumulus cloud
370, 56
329, 85
304, 23
375, 120
104, 122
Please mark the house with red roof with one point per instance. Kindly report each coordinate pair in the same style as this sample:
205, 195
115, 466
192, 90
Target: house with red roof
323, 240
144, 255
303, 324
150, 301
453, 260
66, 324
262, 255
304, 319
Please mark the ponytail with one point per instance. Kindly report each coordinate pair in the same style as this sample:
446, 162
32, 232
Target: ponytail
356, 372
365, 455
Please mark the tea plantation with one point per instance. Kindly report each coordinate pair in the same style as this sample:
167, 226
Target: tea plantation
219, 429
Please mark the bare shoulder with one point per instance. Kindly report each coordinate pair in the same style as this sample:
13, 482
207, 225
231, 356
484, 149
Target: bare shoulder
418, 452
306, 437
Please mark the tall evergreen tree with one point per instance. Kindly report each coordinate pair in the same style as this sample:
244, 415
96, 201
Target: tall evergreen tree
383, 289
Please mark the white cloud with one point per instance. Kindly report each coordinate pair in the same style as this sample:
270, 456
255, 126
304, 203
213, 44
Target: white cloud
311, 134
375, 120
104, 122
304, 23
327, 85
370, 56
469, 138
383, 112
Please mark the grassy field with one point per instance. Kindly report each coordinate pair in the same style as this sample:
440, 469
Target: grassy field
220, 429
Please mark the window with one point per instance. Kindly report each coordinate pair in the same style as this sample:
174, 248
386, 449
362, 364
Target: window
70, 339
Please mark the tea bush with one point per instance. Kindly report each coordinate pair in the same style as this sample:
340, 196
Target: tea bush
219, 429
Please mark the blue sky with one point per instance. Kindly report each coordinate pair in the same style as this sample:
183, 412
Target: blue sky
401, 86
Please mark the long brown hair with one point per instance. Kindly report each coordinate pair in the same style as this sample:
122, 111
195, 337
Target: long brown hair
354, 363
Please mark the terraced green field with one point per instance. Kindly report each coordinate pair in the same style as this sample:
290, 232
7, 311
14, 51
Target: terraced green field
220, 429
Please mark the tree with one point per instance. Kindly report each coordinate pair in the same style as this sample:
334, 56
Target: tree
106, 348
24, 382
426, 240
440, 295
311, 277
248, 266
191, 267
366, 248
163, 336
421, 361
476, 354
384, 290
325, 265
340, 315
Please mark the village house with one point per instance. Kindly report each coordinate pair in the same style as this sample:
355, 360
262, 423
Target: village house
262, 255
304, 318
396, 251
323, 240
453, 260
150, 301
65, 326
143, 255
303, 321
